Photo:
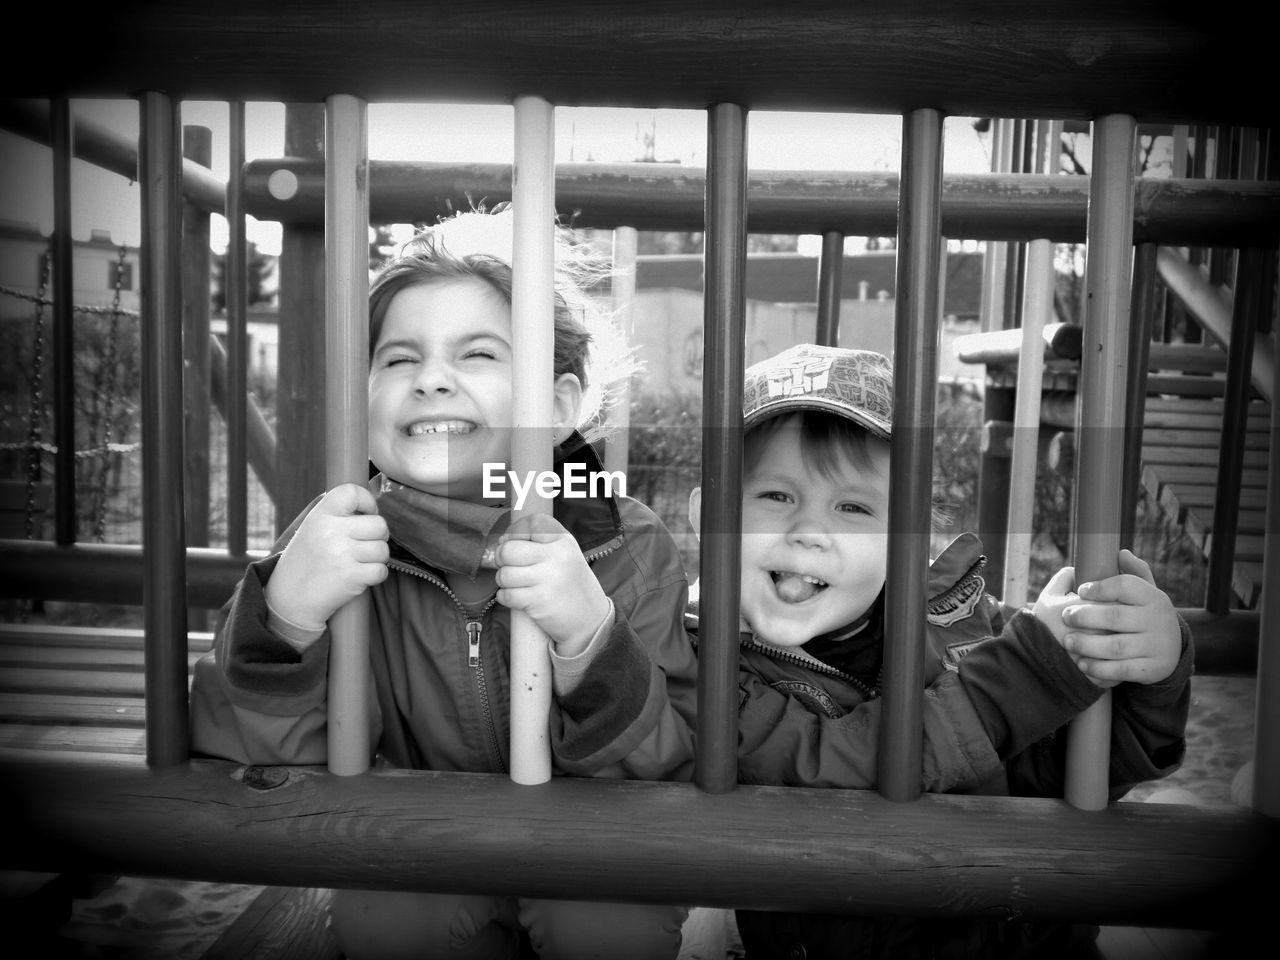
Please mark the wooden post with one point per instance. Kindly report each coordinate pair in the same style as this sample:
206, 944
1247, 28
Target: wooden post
533, 341
347, 406
1100, 434
915, 377
723, 368
164, 592
300, 393
197, 146
1266, 725
830, 275
234, 286
64, 416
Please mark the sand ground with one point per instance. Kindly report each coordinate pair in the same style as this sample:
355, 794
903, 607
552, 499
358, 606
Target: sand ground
142, 919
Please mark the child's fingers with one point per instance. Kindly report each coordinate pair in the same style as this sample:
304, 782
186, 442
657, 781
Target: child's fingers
371, 551
523, 553
538, 527
517, 577
1133, 564
1102, 646
367, 527
1061, 583
1108, 673
348, 499
1124, 588
1110, 617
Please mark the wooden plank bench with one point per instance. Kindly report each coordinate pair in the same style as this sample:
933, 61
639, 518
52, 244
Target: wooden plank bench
79, 691
76, 688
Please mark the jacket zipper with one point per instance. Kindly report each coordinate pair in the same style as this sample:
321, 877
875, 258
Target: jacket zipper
818, 667
474, 627
474, 661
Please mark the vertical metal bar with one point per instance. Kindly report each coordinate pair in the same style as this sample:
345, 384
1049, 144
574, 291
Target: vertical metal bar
911, 459
716, 765
197, 146
300, 394
1037, 311
997, 401
1245, 307
625, 243
1266, 725
164, 588
533, 341
346, 244
64, 386
991, 306
235, 287
1100, 435
830, 275
1266, 728
1145, 304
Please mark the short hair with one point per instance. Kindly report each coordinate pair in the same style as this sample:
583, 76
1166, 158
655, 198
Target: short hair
827, 441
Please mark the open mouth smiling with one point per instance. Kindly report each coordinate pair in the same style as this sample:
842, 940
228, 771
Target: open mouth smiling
424, 428
796, 587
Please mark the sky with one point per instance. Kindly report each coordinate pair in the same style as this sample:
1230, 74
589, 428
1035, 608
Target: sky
472, 133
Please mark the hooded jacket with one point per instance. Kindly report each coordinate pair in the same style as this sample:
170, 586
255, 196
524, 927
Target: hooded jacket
441, 670
999, 693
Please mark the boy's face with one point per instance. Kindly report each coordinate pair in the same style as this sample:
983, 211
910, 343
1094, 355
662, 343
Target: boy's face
814, 548
440, 386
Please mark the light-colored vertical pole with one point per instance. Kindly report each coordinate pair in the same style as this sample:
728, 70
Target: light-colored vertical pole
1100, 431
625, 244
346, 249
533, 188
1037, 311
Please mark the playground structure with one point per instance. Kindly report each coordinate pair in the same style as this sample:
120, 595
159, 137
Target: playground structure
710, 842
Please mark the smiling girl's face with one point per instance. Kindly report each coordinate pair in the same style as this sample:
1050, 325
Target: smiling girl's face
814, 538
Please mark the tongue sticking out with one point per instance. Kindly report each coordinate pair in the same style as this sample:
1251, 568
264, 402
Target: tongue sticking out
793, 588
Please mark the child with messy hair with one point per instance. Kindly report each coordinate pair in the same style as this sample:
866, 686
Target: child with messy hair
444, 564
814, 559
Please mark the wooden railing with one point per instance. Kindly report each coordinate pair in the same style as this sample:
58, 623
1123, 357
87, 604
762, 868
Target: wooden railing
890, 850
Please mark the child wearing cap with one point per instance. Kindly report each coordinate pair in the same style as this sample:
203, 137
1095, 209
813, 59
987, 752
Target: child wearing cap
815, 537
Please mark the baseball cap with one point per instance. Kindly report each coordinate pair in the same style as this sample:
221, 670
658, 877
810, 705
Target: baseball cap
856, 384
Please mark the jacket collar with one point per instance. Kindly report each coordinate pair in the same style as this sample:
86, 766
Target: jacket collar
460, 537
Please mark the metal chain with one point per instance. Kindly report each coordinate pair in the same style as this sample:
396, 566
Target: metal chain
107, 398
34, 430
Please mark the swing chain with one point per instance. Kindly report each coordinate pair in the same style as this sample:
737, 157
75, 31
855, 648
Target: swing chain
34, 430
107, 400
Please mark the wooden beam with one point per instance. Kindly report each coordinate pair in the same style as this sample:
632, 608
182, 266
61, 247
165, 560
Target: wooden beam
985, 58
110, 573
591, 839
653, 196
